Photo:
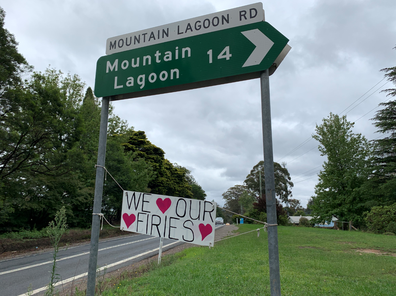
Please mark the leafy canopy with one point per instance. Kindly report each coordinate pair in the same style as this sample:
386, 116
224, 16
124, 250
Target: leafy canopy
339, 191
283, 183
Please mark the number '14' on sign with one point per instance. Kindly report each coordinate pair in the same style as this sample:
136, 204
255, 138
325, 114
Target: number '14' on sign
225, 54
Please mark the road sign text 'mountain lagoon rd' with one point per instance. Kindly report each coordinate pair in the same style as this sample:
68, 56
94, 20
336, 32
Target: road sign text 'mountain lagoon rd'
192, 27
198, 60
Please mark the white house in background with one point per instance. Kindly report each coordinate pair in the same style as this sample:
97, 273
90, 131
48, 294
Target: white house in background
327, 223
296, 219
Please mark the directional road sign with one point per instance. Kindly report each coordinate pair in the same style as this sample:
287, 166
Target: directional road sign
219, 57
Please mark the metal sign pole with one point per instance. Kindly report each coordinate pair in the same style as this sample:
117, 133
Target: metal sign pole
270, 186
97, 207
160, 250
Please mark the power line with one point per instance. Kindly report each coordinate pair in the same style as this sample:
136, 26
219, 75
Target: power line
361, 97
306, 141
306, 173
368, 96
299, 146
302, 154
309, 178
310, 138
370, 110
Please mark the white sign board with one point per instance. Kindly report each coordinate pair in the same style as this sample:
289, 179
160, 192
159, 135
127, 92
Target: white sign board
236, 17
178, 218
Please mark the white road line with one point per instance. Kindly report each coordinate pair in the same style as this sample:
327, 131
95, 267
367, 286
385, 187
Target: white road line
42, 289
70, 257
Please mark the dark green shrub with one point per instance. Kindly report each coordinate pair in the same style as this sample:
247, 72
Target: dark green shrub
380, 218
263, 217
388, 233
304, 222
391, 227
283, 220
299, 213
235, 217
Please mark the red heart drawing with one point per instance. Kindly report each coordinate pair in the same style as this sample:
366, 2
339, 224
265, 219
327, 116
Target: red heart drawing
205, 230
128, 219
163, 205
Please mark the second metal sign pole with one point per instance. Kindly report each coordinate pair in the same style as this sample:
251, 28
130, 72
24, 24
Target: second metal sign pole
270, 186
97, 207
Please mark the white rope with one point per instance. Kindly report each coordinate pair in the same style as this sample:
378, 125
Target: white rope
266, 225
102, 217
232, 236
96, 166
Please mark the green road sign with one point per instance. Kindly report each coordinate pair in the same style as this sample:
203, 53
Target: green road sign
225, 56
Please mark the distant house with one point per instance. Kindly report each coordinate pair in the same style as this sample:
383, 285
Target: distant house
327, 224
296, 219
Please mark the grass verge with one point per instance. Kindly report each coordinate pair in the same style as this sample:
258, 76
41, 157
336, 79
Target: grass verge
312, 262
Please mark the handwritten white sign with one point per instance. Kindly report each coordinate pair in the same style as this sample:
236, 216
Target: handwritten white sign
178, 218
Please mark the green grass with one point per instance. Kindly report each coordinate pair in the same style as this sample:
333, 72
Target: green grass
312, 262
25, 234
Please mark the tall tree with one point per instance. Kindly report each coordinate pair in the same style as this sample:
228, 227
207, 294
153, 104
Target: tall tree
12, 63
232, 197
130, 172
260, 206
390, 73
383, 180
197, 190
169, 179
83, 158
35, 139
246, 200
283, 183
339, 191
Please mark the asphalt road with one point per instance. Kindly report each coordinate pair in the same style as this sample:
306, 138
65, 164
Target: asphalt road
31, 273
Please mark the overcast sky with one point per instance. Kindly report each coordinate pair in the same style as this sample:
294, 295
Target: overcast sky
338, 49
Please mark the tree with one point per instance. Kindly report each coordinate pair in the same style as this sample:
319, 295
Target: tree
37, 132
130, 172
170, 179
382, 219
83, 157
308, 210
246, 200
232, 196
283, 184
383, 180
294, 205
339, 191
198, 192
260, 206
12, 63
391, 75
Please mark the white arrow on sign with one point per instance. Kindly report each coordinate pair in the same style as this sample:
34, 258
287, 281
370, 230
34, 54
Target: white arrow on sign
263, 45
